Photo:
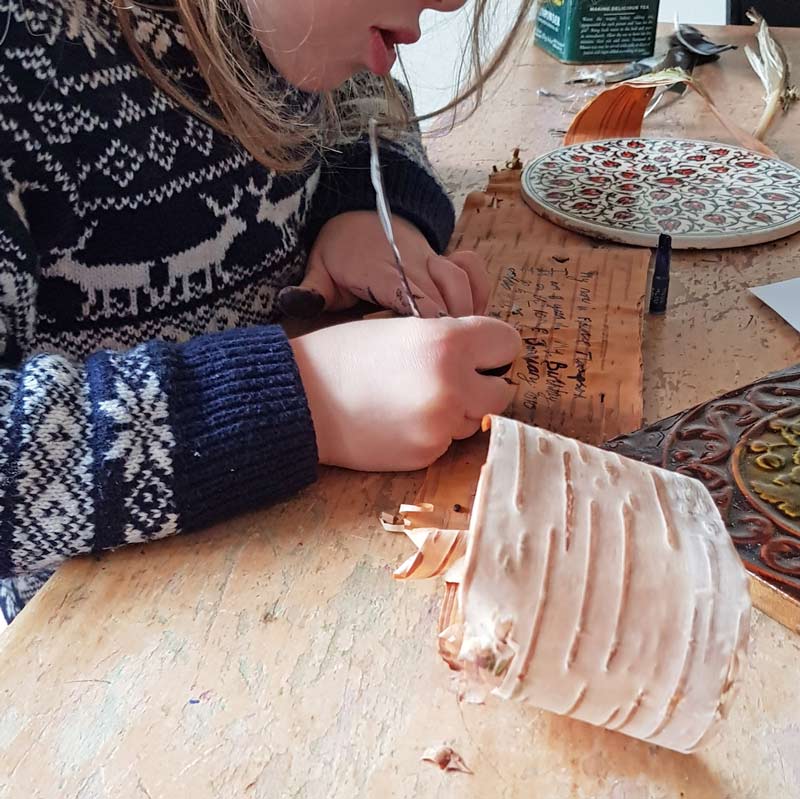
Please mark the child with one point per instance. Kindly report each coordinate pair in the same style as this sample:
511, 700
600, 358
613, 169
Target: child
166, 170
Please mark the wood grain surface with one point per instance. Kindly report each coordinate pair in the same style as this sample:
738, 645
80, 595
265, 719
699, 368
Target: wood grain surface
274, 656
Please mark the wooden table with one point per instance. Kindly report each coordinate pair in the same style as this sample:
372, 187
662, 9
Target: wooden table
274, 656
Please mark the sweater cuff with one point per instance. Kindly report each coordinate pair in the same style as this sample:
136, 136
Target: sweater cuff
412, 191
243, 431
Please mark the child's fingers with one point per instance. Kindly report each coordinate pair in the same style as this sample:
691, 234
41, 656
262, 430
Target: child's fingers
453, 283
429, 300
317, 292
493, 343
475, 267
487, 395
466, 428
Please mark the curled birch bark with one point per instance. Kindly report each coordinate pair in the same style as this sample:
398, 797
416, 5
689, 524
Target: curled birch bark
595, 587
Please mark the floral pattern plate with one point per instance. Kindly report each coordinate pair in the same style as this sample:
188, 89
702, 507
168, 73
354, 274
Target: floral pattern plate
705, 195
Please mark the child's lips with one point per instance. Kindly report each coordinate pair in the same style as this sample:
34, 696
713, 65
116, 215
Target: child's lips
401, 35
381, 55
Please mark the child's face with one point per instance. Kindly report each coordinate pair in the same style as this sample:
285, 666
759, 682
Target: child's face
318, 44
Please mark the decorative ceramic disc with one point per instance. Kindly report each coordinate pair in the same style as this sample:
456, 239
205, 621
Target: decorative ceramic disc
705, 195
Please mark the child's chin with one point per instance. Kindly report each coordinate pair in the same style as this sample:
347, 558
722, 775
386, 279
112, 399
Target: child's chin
323, 79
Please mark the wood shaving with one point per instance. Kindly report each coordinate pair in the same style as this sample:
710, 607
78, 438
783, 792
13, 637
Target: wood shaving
392, 523
446, 758
423, 507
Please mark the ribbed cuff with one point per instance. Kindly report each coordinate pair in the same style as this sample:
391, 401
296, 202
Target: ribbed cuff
412, 191
244, 435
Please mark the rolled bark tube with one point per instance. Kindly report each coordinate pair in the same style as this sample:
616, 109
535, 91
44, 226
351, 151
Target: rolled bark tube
600, 588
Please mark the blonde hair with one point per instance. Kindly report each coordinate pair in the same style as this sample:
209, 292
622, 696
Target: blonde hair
254, 109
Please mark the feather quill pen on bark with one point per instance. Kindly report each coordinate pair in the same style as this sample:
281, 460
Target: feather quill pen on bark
385, 216
772, 67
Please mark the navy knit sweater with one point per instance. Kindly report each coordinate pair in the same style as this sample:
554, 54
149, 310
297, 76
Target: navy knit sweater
143, 390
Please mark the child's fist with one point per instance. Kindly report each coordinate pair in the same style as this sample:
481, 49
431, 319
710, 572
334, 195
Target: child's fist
392, 394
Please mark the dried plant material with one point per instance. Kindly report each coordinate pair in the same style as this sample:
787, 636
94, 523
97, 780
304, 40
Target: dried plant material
446, 758
398, 522
589, 318
616, 112
423, 507
438, 550
601, 588
450, 625
392, 523
619, 111
596, 587
772, 67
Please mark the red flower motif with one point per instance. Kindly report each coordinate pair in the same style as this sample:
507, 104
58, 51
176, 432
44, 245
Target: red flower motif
719, 169
610, 164
695, 158
623, 215
671, 224
663, 210
693, 205
629, 175
715, 219
629, 187
599, 179
775, 197
634, 144
599, 148
582, 159
741, 205
747, 164
583, 206
701, 191
720, 151
659, 194
686, 171
760, 216
578, 169
555, 195
590, 192
626, 199
650, 168
670, 181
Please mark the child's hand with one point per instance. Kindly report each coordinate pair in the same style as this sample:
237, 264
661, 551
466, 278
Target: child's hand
351, 260
391, 394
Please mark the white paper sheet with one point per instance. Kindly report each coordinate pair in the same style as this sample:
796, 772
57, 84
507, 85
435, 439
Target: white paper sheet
783, 298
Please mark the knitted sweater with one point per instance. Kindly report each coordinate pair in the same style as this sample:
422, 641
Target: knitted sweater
144, 390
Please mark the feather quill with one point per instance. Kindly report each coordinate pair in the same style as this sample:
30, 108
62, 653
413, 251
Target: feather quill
772, 67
